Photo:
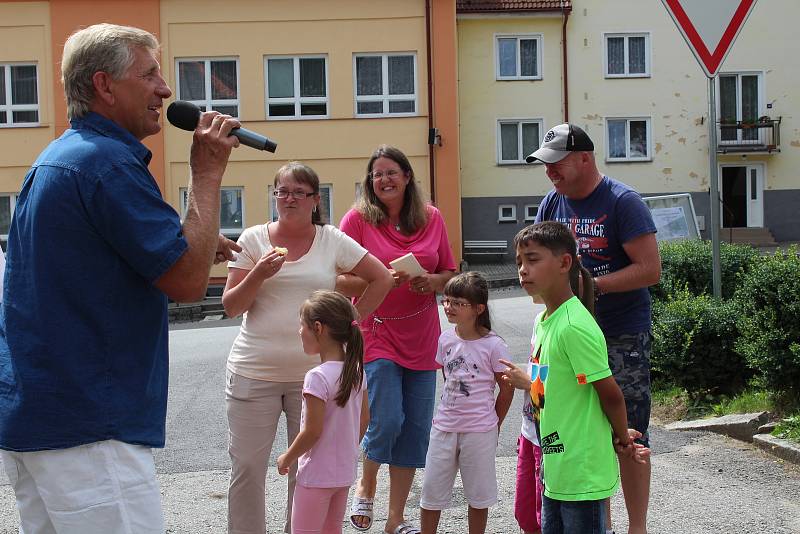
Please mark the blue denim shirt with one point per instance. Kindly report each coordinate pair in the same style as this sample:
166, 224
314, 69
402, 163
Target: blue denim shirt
83, 330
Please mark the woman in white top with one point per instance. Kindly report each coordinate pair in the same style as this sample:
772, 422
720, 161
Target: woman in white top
266, 365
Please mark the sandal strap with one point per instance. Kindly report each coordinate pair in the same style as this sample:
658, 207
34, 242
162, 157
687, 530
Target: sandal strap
405, 528
357, 507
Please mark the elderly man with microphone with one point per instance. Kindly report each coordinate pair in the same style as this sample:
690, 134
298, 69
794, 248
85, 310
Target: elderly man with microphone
93, 254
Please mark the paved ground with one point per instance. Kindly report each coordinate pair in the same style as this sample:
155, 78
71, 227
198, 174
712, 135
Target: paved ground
702, 483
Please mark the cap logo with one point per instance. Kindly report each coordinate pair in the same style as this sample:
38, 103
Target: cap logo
549, 136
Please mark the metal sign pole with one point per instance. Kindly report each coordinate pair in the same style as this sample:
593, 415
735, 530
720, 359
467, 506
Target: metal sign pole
715, 226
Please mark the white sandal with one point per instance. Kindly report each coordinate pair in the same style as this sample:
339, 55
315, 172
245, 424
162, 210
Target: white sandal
361, 507
405, 528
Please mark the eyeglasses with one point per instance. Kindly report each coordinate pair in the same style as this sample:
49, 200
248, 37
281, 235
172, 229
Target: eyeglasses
299, 195
391, 175
539, 370
457, 303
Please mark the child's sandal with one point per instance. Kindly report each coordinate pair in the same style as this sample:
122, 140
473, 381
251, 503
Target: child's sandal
361, 507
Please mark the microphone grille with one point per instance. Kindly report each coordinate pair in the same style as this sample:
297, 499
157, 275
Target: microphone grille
183, 115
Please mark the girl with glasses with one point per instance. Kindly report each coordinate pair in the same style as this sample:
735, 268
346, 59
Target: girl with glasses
467, 421
281, 264
391, 219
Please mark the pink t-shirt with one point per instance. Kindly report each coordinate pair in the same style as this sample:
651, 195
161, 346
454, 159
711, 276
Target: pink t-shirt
405, 327
333, 460
468, 396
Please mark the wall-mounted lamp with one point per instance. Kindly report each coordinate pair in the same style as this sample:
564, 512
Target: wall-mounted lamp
434, 137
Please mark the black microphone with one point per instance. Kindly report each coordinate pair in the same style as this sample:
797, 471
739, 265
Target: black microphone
186, 115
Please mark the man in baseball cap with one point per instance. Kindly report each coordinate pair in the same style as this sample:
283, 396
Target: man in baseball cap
617, 244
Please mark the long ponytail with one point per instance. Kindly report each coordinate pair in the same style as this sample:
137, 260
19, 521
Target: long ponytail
582, 283
338, 314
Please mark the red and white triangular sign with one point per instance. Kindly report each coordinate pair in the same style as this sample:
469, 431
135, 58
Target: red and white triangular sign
710, 27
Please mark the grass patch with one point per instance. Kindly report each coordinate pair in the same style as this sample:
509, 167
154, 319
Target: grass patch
789, 429
669, 403
749, 401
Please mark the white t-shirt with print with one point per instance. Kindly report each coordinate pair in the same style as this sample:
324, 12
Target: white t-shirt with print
528, 427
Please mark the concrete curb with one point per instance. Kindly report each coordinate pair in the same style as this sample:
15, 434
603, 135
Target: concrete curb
739, 426
782, 448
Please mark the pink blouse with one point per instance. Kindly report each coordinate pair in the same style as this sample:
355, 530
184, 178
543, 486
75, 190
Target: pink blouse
405, 327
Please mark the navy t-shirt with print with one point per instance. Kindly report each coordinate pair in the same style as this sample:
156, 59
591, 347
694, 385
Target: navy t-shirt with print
609, 217
83, 329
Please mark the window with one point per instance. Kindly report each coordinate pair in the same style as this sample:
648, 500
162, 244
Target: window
516, 139
297, 87
231, 210
627, 55
212, 84
19, 94
386, 84
530, 212
7, 203
628, 139
507, 213
325, 203
519, 57
739, 101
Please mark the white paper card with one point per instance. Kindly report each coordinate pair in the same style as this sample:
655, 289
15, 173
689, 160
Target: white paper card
408, 264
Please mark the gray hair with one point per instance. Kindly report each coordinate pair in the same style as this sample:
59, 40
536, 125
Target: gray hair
101, 47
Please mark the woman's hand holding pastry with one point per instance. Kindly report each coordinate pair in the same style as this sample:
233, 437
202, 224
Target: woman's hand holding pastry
269, 264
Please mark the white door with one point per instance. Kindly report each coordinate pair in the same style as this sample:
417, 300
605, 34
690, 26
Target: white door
755, 196
742, 196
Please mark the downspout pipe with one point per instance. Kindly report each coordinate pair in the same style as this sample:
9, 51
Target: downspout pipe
431, 171
565, 18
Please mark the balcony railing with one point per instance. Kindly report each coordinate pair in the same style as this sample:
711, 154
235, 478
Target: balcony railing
737, 137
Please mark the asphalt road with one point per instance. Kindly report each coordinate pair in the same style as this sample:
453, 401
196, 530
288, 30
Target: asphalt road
702, 483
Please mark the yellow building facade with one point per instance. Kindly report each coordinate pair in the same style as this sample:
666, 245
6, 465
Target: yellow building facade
329, 81
626, 76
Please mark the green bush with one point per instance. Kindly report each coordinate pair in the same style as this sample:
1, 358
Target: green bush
693, 345
769, 324
687, 264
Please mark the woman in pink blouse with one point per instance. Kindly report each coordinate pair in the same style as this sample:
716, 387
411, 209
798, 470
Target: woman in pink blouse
390, 220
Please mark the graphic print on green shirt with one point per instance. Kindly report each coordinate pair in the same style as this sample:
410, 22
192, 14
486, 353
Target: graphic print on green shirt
579, 462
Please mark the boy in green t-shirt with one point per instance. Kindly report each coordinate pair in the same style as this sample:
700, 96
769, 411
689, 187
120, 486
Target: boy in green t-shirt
579, 465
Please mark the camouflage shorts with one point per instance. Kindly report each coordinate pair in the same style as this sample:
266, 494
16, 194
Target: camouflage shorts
629, 360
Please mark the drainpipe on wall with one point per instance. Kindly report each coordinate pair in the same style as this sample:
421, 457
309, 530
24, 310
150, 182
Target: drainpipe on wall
565, 17
430, 98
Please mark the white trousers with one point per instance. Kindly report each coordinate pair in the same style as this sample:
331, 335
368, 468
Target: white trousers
107, 487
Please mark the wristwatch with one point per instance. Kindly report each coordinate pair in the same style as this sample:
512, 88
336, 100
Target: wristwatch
597, 290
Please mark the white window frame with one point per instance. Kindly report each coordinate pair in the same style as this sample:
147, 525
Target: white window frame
297, 100
530, 217
519, 123
761, 105
510, 218
518, 36
9, 107
12, 205
385, 97
627, 157
231, 231
648, 55
272, 203
208, 102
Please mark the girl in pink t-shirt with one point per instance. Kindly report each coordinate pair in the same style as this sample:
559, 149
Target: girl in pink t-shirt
335, 415
468, 418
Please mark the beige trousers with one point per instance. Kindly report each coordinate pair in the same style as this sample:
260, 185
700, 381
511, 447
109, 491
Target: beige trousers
254, 408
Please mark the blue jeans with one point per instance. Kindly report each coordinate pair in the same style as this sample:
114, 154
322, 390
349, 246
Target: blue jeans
573, 517
400, 413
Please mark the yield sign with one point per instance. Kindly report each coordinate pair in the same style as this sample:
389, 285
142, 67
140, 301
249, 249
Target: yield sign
709, 27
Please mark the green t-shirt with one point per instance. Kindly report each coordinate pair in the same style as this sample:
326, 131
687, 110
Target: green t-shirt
578, 458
